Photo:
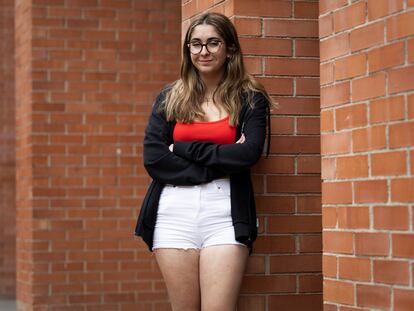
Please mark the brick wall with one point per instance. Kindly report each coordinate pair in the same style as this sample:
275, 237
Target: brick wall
367, 101
87, 73
7, 154
280, 43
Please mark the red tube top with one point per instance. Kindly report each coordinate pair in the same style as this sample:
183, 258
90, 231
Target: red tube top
219, 132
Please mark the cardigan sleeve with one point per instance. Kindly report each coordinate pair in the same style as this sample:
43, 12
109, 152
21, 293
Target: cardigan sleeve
163, 165
231, 157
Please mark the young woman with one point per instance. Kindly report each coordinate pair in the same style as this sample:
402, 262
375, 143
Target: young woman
205, 132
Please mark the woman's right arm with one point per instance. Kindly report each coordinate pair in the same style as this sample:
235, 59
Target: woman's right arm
163, 165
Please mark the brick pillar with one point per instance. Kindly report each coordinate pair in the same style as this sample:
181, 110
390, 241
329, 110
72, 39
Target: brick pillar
280, 42
7, 153
87, 73
367, 70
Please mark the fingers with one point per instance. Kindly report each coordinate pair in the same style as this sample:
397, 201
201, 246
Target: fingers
241, 140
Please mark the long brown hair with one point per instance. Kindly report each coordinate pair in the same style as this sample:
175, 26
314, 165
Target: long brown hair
183, 101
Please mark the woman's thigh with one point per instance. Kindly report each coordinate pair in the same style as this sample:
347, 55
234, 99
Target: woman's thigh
221, 274
180, 270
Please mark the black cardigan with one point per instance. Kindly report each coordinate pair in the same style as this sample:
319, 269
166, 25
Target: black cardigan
199, 162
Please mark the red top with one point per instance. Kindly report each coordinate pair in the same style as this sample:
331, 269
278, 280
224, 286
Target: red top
218, 132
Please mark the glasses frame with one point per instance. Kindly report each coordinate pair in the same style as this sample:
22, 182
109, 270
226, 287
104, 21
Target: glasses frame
205, 45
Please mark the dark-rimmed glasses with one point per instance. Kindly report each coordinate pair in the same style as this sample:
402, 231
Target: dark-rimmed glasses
212, 46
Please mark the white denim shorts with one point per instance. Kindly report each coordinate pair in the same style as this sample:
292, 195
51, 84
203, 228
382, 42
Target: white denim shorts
194, 216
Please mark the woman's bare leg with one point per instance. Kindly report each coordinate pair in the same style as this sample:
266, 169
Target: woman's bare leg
221, 273
180, 269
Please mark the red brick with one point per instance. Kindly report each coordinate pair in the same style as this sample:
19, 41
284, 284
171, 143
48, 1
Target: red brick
308, 164
282, 125
291, 28
402, 190
295, 263
403, 245
336, 192
277, 86
378, 297
335, 94
380, 8
391, 272
351, 116
306, 10
275, 204
369, 87
411, 106
327, 120
329, 217
263, 8
352, 167
292, 67
410, 48
367, 36
294, 224
246, 303
293, 184
386, 56
339, 292
335, 143
370, 191
329, 264
294, 302
350, 66
271, 244
388, 164
353, 217
275, 164
334, 46
266, 46
326, 73
374, 244
349, 17
401, 134
307, 86
387, 109
248, 26
311, 243
274, 283
400, 26
310, 283
307, 48
309, 204
399, 80
358, 269
295, 144
371, 138
403, 299
391, 217
325, 25
330, 5
338, 242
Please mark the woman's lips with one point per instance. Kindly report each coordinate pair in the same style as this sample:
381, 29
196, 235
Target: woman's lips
204, 62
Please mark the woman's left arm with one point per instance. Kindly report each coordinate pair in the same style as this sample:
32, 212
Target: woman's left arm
231, 157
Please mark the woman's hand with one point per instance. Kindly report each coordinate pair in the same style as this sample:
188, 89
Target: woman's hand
241, 140
171, 147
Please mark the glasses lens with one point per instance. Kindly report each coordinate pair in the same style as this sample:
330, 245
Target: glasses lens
213, 46
195, 47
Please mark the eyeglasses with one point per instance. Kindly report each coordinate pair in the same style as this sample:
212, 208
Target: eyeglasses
212, 46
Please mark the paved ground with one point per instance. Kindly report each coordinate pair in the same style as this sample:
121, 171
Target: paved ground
7, 305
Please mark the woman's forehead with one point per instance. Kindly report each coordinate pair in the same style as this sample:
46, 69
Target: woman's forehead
204, 31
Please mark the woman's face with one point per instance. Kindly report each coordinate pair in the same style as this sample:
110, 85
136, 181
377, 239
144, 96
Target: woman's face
210, 60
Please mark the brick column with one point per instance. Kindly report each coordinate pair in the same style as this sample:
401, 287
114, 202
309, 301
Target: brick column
367, 70
7, 153
280, 42
87, 73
